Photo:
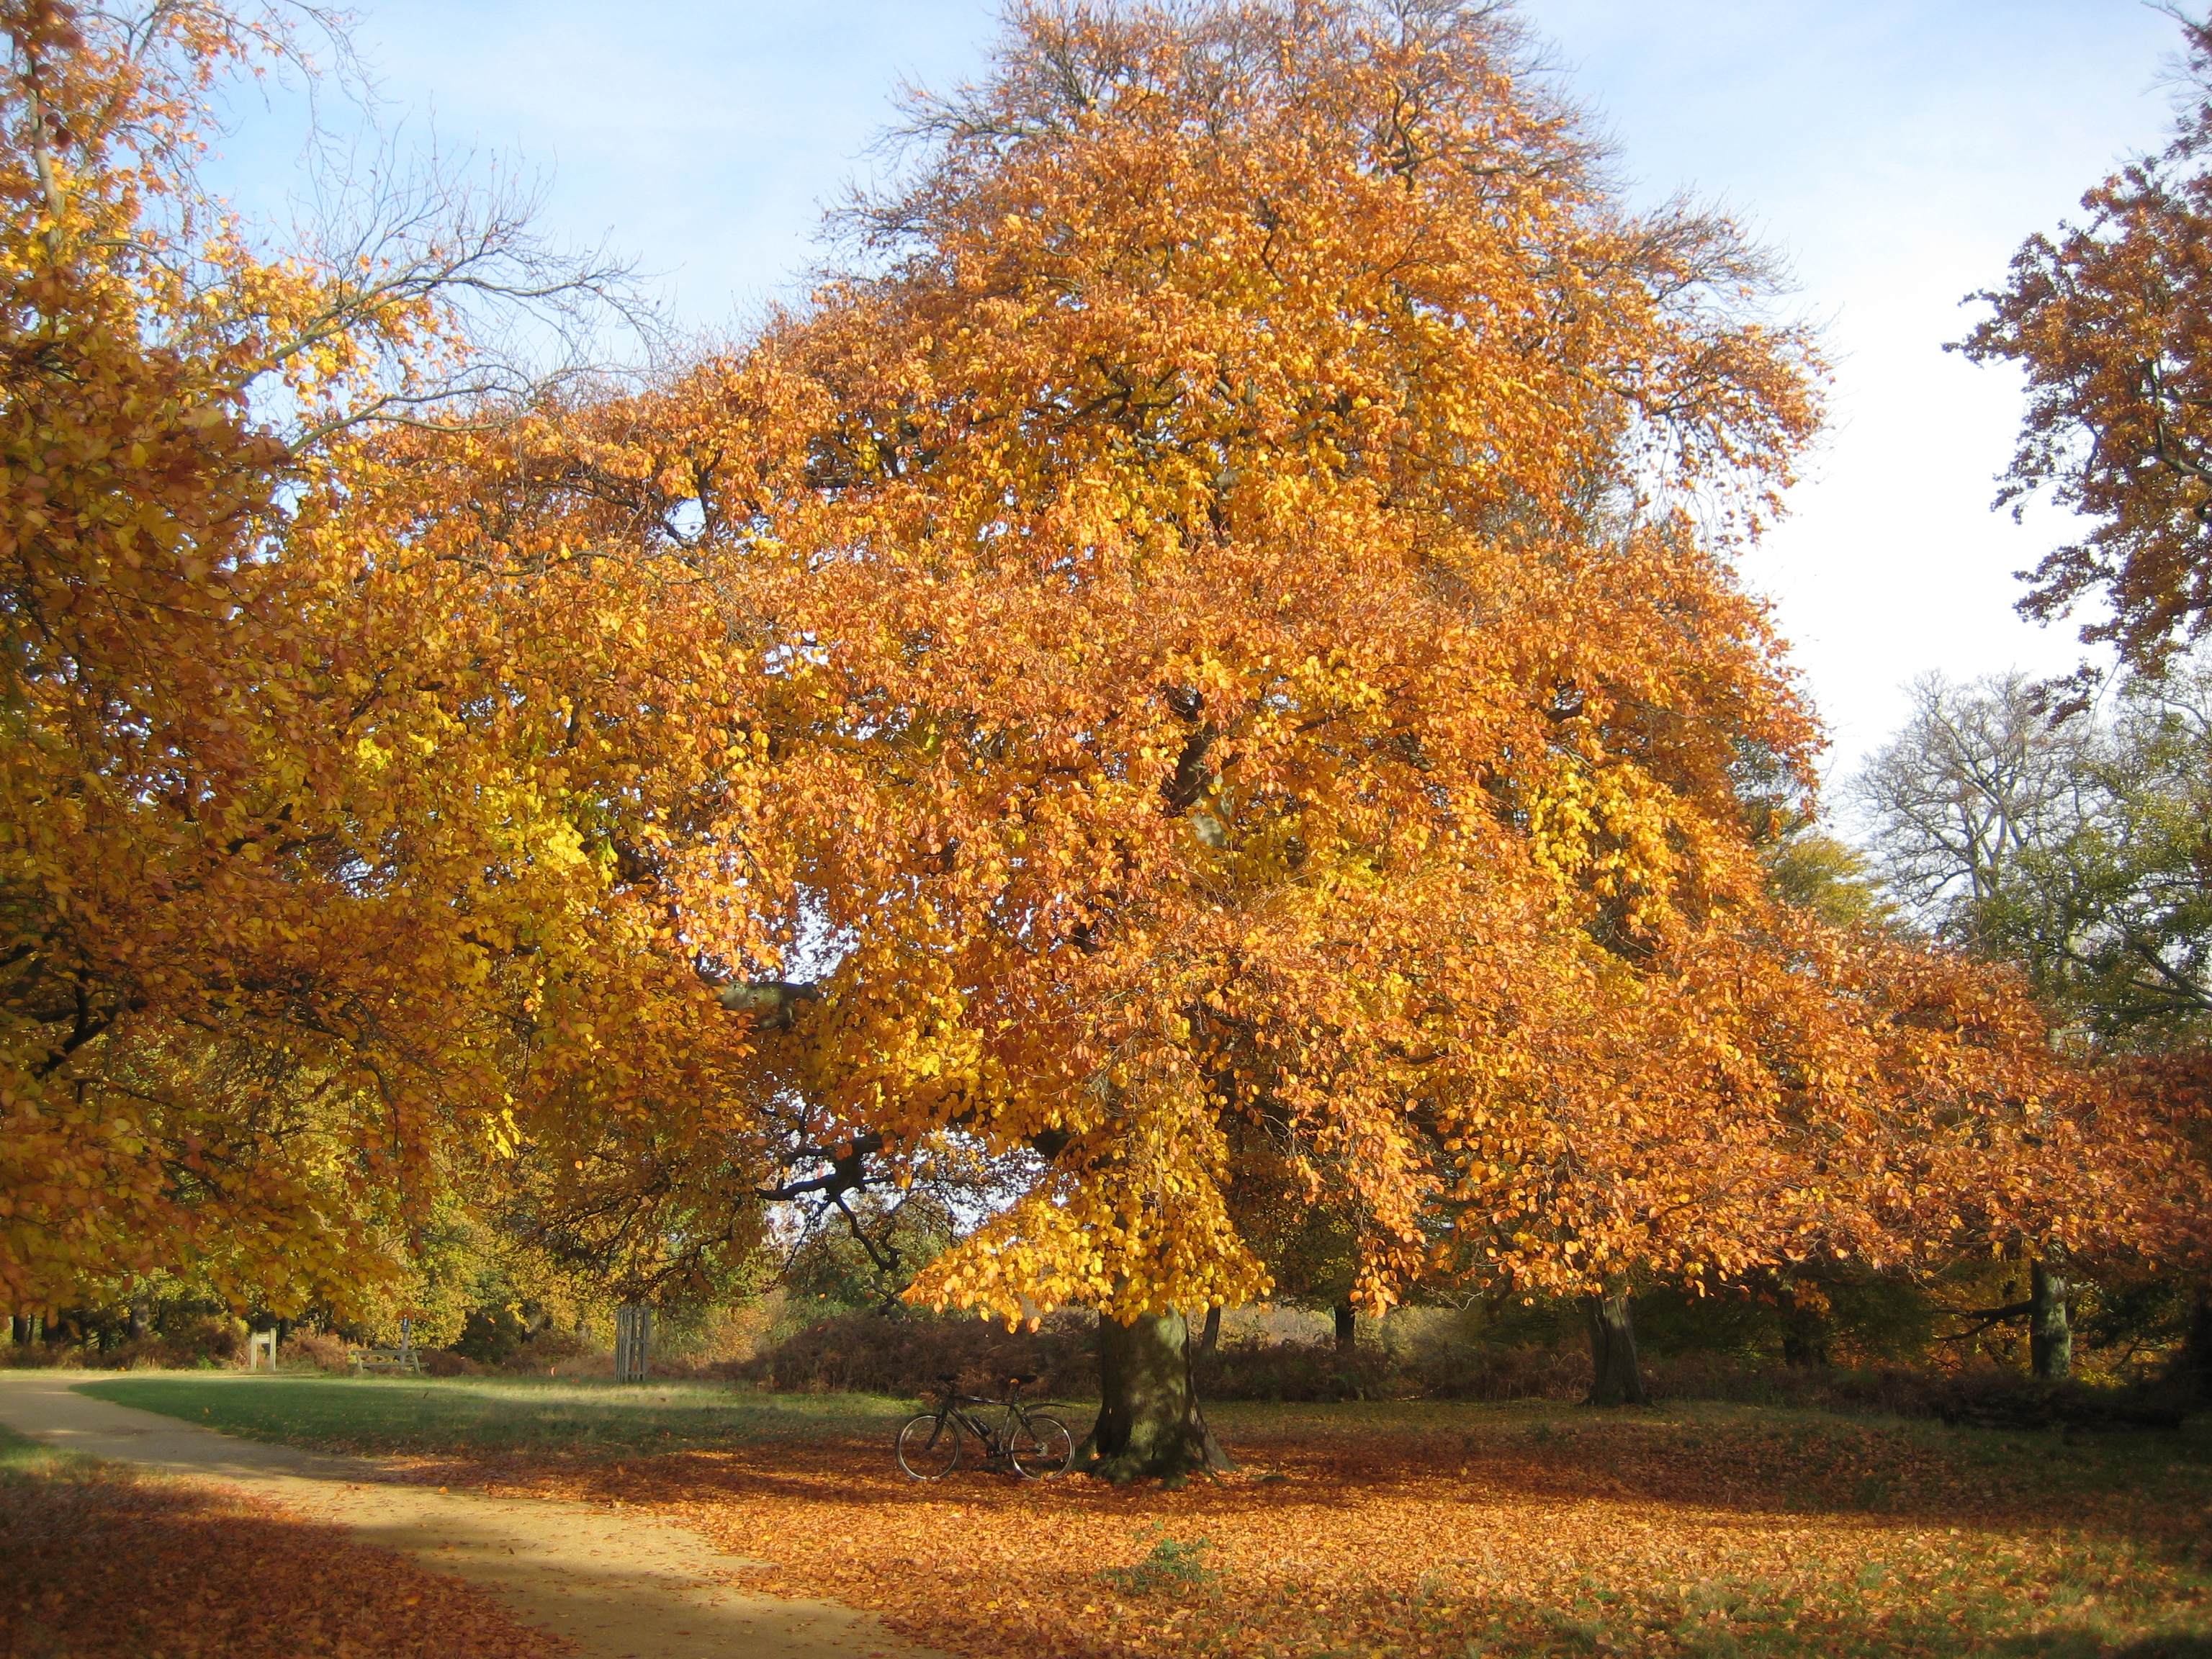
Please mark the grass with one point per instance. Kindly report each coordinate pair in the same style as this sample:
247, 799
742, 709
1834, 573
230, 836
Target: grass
441, 1417
1418, 1531
102, 1561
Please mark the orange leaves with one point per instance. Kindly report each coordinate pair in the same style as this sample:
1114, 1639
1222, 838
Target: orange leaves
105, 1563
1197, 657
1201, 576
1358, 1529
296, 846
2112, 322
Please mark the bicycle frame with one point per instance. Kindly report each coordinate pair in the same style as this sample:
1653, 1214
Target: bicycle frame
993, 1441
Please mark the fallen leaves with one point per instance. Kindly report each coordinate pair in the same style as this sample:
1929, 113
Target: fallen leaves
1457, 1531
100, 1562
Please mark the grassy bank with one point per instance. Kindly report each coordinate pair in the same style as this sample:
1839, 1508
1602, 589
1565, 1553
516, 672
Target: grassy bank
482, 1416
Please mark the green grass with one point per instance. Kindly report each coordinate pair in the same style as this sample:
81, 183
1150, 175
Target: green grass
475, 1416
23, 1458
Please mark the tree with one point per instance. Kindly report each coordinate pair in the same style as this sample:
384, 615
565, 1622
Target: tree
1982, 781
2107, 906
2112, 320
2108, 320
273, 893
1226, 491
1206, 655
2067, 845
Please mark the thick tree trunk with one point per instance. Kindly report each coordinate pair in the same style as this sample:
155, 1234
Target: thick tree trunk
1347, 1329
1149, 1423
1210, 1338
19, 1329
1616, 1379
137, 1327
2049, 1333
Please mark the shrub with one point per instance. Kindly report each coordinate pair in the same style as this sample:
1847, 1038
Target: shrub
491, 1336
444, 1362
905, 1354
1319, 1370
1297, 1370
323, 1350
547, 1349
39, 1355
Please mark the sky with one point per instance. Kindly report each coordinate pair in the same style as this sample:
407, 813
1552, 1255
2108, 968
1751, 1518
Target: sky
1894, 153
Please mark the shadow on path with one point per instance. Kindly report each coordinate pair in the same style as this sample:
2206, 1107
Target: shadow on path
619, 1585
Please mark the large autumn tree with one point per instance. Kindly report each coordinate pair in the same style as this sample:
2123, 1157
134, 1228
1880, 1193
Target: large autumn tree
1242, 671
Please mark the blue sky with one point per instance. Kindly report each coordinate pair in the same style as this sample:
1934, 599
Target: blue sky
1894, 152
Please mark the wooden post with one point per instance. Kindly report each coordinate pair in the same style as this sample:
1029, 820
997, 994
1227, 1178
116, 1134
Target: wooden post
256, 1344
633, 1341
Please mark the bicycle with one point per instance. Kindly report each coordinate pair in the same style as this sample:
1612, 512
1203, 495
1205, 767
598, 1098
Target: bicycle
1033, 1444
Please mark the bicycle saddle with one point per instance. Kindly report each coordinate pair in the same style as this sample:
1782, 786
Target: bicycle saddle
1023, 1381
948, 1376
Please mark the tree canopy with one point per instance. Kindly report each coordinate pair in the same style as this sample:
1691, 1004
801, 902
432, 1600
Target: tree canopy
1234, 674
1210, 652
2109, 320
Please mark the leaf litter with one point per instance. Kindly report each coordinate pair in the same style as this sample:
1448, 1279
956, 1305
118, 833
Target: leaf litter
102, 1561
1740, 1533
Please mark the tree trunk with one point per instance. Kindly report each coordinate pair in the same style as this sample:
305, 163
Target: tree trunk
1348, 1330
2049, 1333
1804, 1349
1615, 1377
137, 1327
1804, 1338
1149, 1423
2195, 1366
1210, 1338
19, 1329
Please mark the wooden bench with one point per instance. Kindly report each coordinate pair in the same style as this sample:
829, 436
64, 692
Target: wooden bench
365, 1360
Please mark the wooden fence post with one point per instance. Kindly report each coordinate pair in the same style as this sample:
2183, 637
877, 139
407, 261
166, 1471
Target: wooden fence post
633, 1341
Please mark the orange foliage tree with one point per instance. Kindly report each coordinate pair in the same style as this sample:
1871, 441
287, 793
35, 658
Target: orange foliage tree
290, 916
2112, 320
1212, 650
1241, 658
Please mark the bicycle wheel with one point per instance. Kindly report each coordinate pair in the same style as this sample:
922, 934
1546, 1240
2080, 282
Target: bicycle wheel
1042, 1445
928, 1447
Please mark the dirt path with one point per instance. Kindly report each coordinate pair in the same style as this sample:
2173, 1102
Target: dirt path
620, 1586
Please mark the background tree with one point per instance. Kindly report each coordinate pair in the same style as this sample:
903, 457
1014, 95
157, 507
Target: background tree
2111, 916
1981, 783
2070, 844
2111, 322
